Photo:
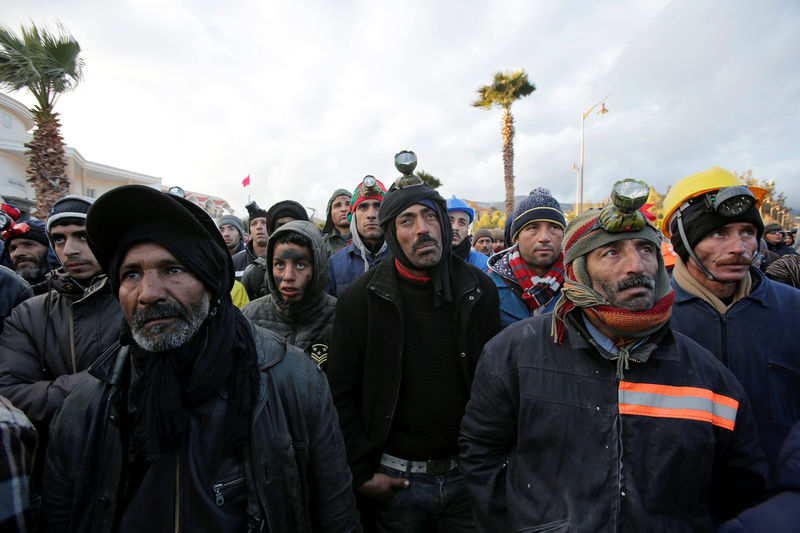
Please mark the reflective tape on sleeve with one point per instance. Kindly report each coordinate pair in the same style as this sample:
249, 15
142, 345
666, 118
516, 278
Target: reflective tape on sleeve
666, 401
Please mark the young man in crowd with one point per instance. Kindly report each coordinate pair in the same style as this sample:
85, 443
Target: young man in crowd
258, 240
461, 215
367, 246
50, 340
336, 232
297, 307
277, 215
232, 231
529, 274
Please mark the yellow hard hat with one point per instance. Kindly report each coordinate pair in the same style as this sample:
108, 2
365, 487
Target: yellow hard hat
698, 184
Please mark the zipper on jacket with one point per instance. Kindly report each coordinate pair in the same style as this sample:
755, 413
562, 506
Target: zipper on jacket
724, 351
177, 492
219, 487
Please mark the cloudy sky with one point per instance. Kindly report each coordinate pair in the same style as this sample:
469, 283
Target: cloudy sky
310, 96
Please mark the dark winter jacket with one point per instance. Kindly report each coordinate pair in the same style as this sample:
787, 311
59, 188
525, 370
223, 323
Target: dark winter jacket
335, 241
757, 341
331, 235
13, 291
352, 261
365, 362
51, 340
552, 440
780, 514
294, 476
242, 259
253, 278
781, 249
512, 307
306, 324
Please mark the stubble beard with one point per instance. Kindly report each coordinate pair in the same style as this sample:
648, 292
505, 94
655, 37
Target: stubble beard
170, 335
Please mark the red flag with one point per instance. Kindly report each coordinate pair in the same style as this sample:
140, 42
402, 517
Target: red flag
246, 181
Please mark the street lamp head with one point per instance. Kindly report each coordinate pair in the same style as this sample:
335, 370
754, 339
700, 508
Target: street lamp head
574, 166
603, 109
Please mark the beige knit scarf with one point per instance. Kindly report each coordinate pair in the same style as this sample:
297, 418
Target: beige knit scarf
688, 283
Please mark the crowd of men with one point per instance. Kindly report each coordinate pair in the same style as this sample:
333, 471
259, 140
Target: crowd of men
400, 370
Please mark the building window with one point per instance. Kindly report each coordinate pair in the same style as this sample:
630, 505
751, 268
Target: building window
5, 118
91, 193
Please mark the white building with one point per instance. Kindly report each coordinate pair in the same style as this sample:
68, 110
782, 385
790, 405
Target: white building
88, 178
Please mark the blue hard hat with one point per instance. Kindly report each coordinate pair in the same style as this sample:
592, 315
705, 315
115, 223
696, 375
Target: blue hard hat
454, 204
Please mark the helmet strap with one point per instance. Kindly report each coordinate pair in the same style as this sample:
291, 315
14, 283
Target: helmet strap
685, 241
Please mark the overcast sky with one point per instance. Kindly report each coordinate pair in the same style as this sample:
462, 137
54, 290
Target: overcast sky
310, 96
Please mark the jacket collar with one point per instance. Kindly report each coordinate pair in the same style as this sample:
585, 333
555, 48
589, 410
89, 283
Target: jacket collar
759, 291
385, 281
64, 284
579, 338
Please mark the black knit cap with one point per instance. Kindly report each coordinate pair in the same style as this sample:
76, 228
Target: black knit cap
35, 232
133, 214
697, 223
539, 205
254, 211
286, 208
71, 206
394, 203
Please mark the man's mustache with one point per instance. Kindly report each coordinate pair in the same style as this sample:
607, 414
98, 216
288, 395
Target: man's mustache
424, 239
639, 280
159, 311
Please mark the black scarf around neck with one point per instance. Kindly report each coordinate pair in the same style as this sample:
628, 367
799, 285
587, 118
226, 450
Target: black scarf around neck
463, 248
220, 358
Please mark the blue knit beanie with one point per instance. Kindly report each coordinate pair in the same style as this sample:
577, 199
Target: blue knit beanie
539, 205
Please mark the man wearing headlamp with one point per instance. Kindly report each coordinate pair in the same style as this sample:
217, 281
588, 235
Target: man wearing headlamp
367, 246
406, 338
730, 307
597, 417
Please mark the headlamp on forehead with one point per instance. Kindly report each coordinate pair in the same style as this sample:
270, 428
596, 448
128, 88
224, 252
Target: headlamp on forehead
177, 191
623, 214
406, 161
730, 201
370, 186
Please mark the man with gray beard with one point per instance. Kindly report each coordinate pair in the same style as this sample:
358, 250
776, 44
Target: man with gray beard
199, 420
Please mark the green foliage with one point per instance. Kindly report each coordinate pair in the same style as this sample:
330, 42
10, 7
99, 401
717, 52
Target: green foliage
507, 88
45, 63
432, 181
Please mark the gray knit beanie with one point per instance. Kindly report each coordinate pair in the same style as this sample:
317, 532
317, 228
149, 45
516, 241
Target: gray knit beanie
234, 221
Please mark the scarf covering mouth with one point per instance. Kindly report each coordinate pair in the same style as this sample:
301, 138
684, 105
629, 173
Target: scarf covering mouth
581, 237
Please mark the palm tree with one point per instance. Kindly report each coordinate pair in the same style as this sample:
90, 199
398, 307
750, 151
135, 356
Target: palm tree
506, 89
432, 181
47, 65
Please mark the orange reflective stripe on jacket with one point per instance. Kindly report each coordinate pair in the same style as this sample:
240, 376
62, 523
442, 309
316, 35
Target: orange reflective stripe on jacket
667, 401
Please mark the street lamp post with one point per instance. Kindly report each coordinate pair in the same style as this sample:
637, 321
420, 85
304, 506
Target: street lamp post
602, 111
578, 176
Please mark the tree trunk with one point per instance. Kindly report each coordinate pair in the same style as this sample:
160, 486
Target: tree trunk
508, 158
46, 163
